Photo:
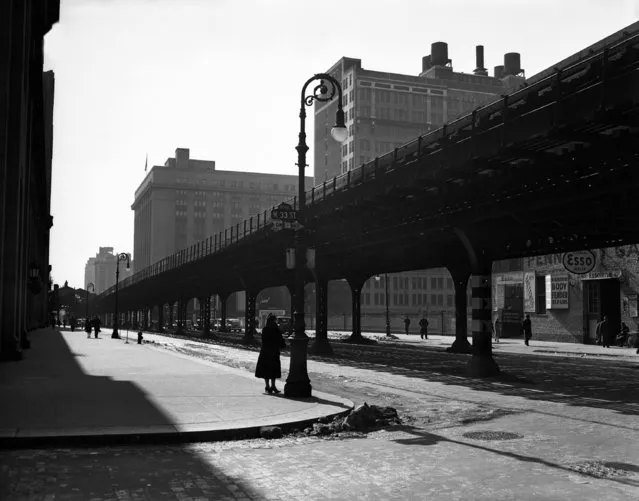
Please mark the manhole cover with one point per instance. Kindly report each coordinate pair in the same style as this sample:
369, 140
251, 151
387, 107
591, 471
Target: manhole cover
602, 469
492, 435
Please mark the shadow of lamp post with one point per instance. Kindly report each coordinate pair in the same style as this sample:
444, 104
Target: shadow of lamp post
123, 256
298, 384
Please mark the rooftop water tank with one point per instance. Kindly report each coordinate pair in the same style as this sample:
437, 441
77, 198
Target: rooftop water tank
512, 63
439, 53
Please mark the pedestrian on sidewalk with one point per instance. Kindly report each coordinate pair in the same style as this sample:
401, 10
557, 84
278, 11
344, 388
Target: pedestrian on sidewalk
406, 324
423, 331
527, 328
96, 325
604, 332
268, 362
497, 329
73, 322
88, 325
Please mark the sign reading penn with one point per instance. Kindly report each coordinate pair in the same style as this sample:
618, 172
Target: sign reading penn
579, 262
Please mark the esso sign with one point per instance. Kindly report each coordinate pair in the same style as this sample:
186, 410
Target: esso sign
579, 262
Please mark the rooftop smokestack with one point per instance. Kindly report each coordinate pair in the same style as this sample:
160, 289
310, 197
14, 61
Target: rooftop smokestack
479, 57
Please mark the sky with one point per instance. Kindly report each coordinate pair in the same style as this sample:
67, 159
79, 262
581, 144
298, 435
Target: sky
223, 78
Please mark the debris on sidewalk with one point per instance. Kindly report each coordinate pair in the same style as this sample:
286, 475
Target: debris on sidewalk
362, 418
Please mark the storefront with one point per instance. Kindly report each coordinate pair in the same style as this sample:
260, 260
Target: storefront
567, 294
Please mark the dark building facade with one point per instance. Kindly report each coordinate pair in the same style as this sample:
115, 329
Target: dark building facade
26, 133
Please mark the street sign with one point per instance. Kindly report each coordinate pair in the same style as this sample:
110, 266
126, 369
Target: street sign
279, 225
284, 212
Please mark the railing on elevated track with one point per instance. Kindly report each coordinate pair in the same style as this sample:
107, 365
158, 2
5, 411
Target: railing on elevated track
544, 92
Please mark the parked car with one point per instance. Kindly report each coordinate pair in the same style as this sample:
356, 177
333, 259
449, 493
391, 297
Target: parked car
233, 325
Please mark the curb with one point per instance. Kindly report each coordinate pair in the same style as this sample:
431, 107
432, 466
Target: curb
166, 438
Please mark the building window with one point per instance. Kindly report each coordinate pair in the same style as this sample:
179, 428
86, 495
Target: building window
395, 299
440, 300
449, 283
540, 299
450, 300
440, 282
433, 282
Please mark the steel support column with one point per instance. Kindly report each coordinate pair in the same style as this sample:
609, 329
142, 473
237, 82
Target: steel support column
321, 345
161, 317
460, 277
223, 298
249, 316
482, 363
356, 295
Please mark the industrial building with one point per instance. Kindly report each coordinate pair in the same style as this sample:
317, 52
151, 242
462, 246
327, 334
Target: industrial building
383, 111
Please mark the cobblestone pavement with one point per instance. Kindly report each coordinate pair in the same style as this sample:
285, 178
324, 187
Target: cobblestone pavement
571, 432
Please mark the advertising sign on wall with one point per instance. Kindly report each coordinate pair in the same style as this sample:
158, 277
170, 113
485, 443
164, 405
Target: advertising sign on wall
529, 292
557, 292
579, 262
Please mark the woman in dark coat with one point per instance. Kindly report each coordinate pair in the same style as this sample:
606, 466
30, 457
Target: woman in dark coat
268, 363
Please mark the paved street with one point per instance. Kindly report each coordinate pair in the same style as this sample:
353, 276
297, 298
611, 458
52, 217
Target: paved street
562, 428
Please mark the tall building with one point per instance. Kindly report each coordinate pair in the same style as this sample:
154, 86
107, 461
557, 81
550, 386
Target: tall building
100, 270
89, 272
383, 111
186, 200
26, 136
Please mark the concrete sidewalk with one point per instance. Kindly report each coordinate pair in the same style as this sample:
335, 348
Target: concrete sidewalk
70, 389
508, 345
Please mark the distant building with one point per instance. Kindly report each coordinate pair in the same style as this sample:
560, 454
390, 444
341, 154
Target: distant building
89, 272
383, 111
100, 270
186, 200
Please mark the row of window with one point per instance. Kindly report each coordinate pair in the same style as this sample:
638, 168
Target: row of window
418, 283
379, 299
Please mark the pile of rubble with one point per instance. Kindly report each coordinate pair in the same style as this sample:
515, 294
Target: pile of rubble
362, 418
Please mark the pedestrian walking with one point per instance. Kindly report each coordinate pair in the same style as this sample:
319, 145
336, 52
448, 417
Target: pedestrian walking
423, 328
96, 326
406, 324
268, 362
604, 332
88, 325
497, 329
73, 322
527, 328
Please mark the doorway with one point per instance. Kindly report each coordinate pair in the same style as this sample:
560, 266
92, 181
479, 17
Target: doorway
601, 298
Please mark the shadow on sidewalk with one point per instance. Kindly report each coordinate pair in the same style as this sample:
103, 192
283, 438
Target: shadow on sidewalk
49, 391
423, 438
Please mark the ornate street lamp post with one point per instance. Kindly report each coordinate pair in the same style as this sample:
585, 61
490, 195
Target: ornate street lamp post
377, 277
123, 256
298, 385
90, 287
